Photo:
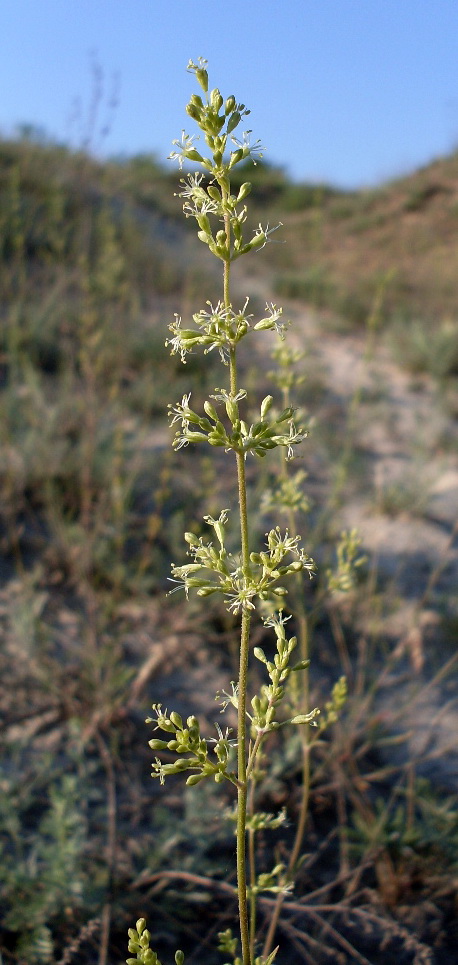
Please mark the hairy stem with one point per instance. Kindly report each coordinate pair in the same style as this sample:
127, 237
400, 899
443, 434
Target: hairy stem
243, 660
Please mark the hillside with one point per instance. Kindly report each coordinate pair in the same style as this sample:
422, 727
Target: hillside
95, 260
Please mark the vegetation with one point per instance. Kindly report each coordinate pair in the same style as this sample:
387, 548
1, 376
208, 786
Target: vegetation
360, 811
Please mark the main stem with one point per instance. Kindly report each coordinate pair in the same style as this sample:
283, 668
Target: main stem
243, 668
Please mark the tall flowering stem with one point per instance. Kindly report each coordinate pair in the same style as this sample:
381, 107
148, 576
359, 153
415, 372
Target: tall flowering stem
250, 577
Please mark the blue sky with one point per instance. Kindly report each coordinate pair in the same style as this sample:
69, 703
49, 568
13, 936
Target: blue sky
349, 91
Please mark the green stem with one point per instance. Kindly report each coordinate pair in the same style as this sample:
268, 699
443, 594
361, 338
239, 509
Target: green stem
252, 860
303, 637
243, 660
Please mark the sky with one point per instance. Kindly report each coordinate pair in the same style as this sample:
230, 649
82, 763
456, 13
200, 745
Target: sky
351, 92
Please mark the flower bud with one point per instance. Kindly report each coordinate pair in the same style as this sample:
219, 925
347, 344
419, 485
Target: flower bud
266, 405
302, 665
193, 155
195, 436
211, 411
157, 745
194, 779
213, 193
204, 224
260, 655
233, 122
244, 191
192, 539
179, 957
216, 100
229, 105
176, 720
236, 156
232, 410
202, 77
194, 112
258, 241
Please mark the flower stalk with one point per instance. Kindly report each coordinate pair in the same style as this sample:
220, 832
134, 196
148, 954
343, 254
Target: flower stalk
251, 577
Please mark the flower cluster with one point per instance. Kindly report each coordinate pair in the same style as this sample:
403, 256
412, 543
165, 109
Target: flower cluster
215, 570
264, 706
221, 328
241, 437
211, 195
139, 939
187, 739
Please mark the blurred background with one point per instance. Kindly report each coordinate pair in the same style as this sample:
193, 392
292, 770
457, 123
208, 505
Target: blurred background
356, 106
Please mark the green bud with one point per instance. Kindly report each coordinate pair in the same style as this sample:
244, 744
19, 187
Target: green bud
179, 957
266, 405
196, 436
206, 237
207, 590
176, 720
229, 105
260, 655
257, 242
233, 122
219, 777
202, 77
236, 156
232, 410
244, 191
194, 779
192, 722
194, 112
192, 539
131, 961
266, 325
305, 718
221, 237
132, 933
216, 100
157, 745
193, 155
203, 222
302, 665
213, 192
286, 414
211, 411
224, 182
